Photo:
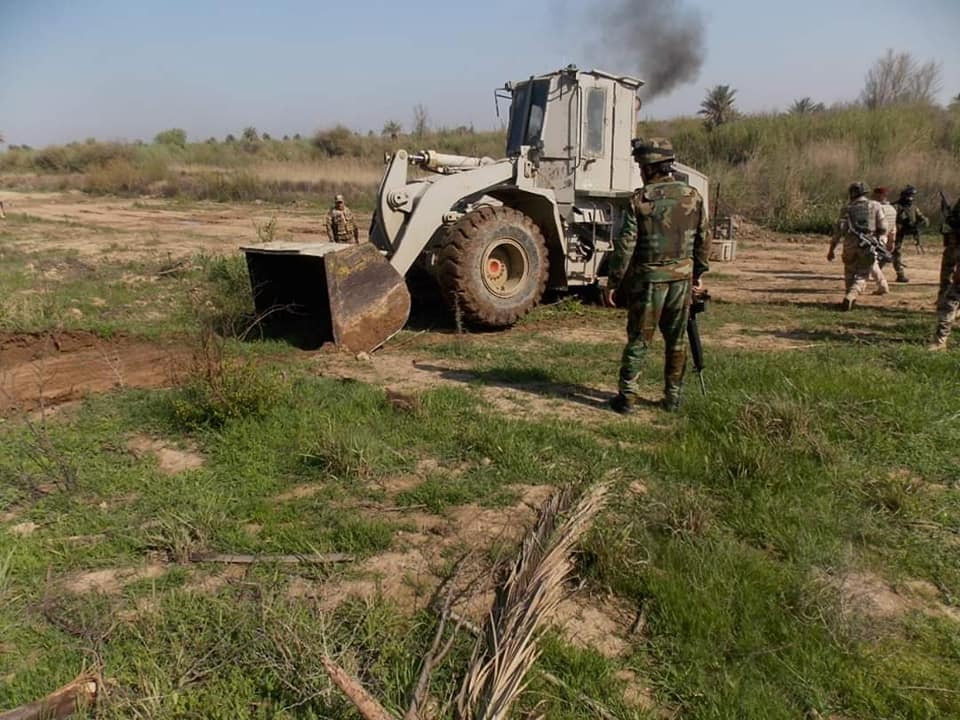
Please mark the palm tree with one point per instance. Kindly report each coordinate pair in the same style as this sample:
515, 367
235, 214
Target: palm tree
718, 106
806, 106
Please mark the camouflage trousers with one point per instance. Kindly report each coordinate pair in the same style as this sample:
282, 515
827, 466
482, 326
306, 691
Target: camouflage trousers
897, 251
656, 305
948, 261
948, 309
857, 269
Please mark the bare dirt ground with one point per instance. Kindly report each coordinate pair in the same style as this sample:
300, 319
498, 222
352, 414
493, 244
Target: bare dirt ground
770, 269
55, 368
145, 227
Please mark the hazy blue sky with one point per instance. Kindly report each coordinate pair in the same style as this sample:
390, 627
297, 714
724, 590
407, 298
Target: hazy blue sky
123, 69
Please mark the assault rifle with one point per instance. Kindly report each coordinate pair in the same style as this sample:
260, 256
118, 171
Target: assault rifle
871, 243
697, 305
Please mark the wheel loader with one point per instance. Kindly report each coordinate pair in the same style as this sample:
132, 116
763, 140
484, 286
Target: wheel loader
494, 234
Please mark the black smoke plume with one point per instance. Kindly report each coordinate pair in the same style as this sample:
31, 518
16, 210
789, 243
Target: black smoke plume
662, 41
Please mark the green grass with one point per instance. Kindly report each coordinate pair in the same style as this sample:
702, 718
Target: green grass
798, 469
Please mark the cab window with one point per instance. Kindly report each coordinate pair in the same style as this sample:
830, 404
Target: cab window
596, 113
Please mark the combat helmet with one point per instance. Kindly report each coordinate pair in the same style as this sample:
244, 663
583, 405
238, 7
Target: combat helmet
857, 189
651, 150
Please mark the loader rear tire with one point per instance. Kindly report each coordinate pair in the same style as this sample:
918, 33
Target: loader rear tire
493, 266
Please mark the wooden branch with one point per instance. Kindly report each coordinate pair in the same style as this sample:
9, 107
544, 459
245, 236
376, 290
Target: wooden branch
59, 704
227, 559
363, 701
438, 651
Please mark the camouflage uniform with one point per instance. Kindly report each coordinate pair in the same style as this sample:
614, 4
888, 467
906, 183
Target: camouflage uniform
866, 216
909, 220
660, 247
948, 298
341, 227
890, 215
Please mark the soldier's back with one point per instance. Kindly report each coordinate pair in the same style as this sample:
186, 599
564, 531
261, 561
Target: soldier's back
668, 215
861, 215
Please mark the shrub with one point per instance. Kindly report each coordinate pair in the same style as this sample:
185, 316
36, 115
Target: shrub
174, 137
337, 142
218, 390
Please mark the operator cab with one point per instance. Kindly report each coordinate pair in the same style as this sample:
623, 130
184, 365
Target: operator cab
577, 125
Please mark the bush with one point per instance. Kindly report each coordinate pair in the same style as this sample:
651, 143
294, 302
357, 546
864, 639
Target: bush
218, 390
337, 142
174, 137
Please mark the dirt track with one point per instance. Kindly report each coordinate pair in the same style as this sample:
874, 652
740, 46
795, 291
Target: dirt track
134, 228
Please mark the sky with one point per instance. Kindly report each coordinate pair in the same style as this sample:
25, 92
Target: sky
124, 69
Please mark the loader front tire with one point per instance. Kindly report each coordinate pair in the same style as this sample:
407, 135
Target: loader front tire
493, 266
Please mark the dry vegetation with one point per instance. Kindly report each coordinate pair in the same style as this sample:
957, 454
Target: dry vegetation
786, 171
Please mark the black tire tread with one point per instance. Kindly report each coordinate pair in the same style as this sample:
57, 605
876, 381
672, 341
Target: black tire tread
458, 282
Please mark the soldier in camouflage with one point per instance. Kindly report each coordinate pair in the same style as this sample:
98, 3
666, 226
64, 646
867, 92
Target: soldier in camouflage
879, 195
948, 298
909, 220
660, 251
861, 222
341, 227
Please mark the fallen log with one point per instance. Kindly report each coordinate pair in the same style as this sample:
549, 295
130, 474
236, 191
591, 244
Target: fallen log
61, 703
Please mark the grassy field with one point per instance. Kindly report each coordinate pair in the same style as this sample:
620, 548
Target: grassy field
787, 546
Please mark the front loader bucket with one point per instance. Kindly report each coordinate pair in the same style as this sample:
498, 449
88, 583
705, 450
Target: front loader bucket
327, 292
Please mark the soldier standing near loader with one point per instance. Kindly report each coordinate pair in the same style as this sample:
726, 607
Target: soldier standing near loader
660, 251
861, 224
879, 195
909, 220
948, 298
341, 227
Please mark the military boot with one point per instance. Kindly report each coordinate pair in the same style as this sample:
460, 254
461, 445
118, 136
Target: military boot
671, 400
674, 367
622, 404
939, 343
847, 304
902, 278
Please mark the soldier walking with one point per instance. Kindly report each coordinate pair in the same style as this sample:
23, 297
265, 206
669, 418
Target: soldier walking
909, 220
659, 256
341, 227
948, 298
879, 195
860, 226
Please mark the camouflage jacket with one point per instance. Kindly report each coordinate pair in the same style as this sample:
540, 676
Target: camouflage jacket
860, 216
909, 218
663, 237
341, 227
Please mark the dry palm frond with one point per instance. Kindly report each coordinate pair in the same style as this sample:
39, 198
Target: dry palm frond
531, 593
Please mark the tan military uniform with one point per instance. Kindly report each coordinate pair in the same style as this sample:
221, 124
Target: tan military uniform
341, 227
867, 216
876, 272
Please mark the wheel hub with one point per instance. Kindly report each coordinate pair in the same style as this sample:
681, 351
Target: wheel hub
504, 267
